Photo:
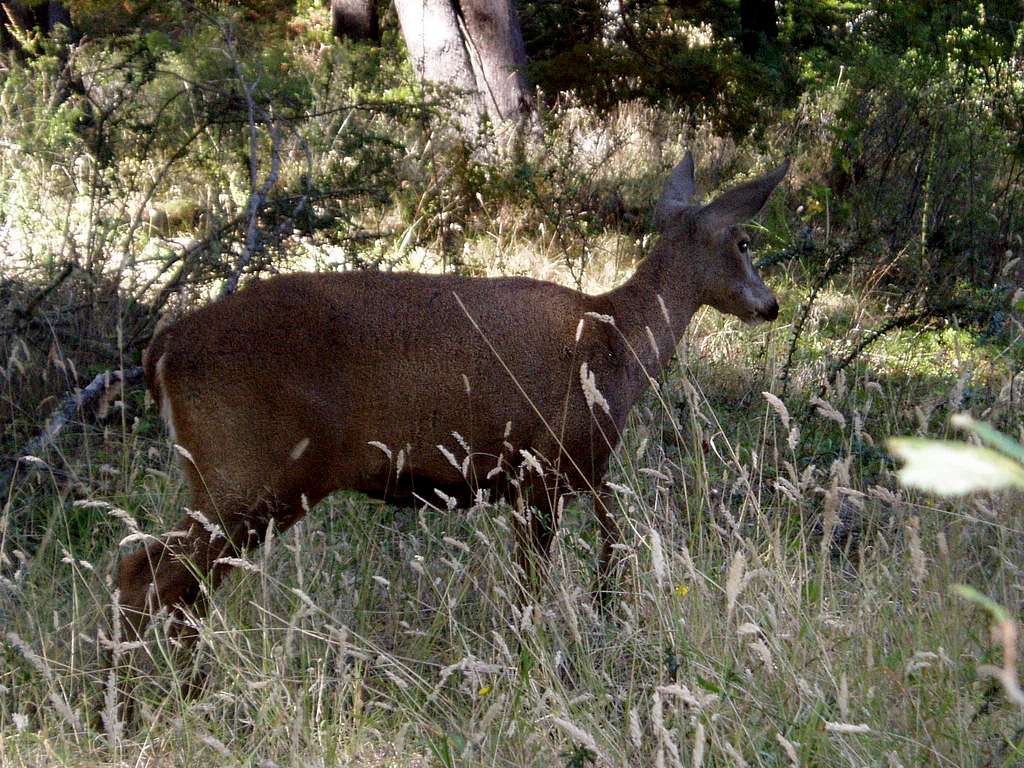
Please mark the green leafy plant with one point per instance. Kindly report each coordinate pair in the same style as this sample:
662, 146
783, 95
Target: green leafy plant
955, 468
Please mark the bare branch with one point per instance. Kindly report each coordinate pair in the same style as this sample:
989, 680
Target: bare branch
257, 196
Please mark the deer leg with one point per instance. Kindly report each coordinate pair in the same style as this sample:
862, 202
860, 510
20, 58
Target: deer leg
167, 573
610, 536
164, 574
534, 537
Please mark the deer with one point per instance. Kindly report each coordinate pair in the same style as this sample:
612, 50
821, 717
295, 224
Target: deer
403, 385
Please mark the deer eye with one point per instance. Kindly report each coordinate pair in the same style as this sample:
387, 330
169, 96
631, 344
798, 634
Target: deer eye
744, 246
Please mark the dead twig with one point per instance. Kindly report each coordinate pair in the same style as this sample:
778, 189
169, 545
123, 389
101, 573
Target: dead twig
873, 335
257, 194
187, 257
835, 262
908, 320
24, 314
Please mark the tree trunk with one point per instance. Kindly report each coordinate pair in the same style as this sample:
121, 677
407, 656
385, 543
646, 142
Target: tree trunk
438, 53
758, 26
495, 43
355, 19
475, 48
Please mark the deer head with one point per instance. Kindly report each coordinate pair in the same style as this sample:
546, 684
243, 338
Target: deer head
725, 278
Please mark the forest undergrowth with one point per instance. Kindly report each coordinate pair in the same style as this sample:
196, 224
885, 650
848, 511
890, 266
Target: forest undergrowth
782, 601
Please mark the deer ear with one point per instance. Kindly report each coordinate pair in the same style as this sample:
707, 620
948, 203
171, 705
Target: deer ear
677, 194
741, 203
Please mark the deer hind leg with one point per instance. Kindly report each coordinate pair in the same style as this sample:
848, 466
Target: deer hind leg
169, 573
535, 526
165, 574
607, 560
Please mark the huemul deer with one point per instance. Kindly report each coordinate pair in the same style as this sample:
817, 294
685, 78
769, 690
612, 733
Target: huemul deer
295, 386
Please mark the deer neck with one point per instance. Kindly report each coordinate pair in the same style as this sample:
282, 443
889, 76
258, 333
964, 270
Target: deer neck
653, 308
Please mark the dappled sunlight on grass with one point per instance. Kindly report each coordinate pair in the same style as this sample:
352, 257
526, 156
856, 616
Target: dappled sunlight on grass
781, 599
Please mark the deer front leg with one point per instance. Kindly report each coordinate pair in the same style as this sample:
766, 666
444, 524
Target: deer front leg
535, 525
610, 536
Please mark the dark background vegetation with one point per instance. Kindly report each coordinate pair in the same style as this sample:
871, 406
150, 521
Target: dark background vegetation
156, 153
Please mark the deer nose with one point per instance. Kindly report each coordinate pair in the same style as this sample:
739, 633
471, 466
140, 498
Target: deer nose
772, 310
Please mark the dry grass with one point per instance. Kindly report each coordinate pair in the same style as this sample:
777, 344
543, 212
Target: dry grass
782, 601
777, 606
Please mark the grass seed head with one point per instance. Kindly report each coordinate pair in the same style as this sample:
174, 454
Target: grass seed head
734, 582
697, 759
381, 447
779, 407
590, 391
826, 410
657, 559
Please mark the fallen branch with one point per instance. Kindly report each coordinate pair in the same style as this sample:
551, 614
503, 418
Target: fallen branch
74, 404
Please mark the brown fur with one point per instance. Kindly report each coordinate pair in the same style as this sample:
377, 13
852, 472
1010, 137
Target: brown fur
276, 392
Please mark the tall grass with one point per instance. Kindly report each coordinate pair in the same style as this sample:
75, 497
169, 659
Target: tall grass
781, 602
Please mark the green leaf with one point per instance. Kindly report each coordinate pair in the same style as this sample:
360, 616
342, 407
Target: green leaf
991, 436
708, 685
969, 593
949, 468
